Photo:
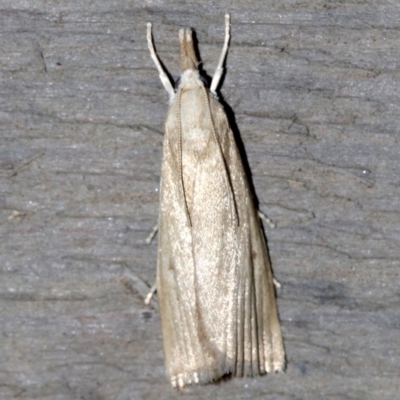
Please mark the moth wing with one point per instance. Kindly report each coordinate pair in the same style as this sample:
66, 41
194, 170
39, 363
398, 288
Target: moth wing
214, 281
258, 342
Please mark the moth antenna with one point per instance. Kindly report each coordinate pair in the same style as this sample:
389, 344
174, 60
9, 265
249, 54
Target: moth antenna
163, 76
220, 68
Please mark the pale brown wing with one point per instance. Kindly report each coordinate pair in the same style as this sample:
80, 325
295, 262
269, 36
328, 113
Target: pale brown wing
259, 340
215, 284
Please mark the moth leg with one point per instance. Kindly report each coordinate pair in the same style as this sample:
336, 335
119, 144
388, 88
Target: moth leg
152, 234
150, 294
163, 76
272, 225
266, 219
220, 68
276, 283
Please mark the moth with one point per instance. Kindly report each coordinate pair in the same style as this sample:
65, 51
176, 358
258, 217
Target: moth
214, 280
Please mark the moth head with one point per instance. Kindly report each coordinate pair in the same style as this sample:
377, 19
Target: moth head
188, 58
192, 75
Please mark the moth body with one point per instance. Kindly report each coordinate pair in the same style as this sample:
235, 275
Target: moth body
214, 280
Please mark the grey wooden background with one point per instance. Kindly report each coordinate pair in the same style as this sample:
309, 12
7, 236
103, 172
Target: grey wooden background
314, 87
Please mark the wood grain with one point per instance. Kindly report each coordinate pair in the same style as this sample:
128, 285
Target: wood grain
313, 86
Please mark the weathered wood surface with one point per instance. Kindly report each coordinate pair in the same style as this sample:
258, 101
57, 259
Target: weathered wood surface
314, 89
